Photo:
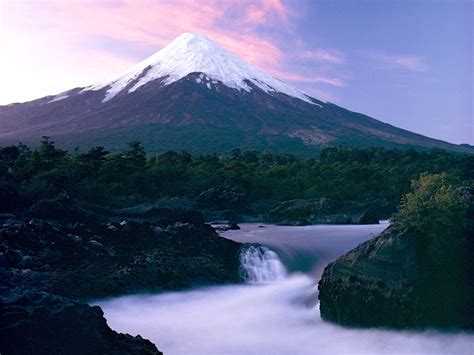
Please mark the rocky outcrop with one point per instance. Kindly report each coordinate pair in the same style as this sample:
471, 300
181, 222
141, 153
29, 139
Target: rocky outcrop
41, 323
98, 260
323, 211
388, 281
47, 266
366, 286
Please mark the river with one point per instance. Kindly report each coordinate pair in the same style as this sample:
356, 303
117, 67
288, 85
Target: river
276, 310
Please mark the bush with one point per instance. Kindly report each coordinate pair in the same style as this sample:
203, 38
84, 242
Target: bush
437, 211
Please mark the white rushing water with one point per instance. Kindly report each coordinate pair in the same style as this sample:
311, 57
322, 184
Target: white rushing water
276, 312
261, 265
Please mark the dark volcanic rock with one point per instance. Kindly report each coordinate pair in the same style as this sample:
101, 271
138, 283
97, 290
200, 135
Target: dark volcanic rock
373, 283
89, 261
136, 258
45, 262
387, 281
40, 323
322, 211
370, 217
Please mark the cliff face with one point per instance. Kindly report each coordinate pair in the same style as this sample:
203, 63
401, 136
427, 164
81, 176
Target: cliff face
387, 281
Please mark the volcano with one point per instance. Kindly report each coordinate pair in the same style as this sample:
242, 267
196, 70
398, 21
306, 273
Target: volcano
195, 95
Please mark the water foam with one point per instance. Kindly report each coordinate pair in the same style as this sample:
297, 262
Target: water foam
261, 265
277, 318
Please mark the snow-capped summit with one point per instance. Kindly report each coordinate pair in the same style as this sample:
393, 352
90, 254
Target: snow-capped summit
196, 53
197, 96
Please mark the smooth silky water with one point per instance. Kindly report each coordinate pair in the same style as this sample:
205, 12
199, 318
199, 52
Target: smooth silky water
276, 310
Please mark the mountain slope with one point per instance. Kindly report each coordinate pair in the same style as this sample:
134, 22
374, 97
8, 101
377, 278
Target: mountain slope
194, 94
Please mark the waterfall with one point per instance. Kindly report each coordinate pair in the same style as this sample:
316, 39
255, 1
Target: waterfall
261, 265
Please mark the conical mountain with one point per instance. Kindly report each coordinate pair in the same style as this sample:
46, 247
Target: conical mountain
195, 95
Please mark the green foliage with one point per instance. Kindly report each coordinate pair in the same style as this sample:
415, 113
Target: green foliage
98, 176
438, 211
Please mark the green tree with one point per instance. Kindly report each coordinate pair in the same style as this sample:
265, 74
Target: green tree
136, 154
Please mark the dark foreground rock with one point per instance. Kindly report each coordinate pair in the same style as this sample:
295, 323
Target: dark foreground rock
324, 211
387, 282
48, 266
87, 261
42, 323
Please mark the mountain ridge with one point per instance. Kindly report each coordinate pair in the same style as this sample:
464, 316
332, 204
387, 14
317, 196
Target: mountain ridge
171, 89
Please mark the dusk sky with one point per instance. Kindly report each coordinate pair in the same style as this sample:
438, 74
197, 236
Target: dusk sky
408, 63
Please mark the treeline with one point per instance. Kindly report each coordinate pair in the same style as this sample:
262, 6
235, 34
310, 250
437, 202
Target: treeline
132, 176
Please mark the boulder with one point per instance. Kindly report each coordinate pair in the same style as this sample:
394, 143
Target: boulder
36, 322
322, 211
369, 217
388, 281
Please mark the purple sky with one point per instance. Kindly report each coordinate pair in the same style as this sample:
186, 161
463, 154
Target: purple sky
408, 63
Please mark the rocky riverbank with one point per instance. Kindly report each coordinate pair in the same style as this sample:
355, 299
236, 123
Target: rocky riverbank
222, 204
325, 211
392, 280
49, 266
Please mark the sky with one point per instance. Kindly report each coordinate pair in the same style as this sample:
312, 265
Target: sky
404, 62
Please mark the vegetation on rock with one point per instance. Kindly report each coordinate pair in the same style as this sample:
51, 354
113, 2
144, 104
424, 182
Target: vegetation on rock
437, 210
418, 272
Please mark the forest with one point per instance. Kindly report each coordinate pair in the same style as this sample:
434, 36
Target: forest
133, 176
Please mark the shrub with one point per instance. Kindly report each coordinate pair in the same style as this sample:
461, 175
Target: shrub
437, 211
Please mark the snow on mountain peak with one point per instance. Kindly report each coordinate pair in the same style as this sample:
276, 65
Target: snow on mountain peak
195, 53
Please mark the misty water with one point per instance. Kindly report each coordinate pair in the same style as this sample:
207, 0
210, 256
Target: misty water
276, 310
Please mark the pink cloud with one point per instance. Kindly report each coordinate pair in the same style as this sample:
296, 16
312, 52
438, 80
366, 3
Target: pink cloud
255, 15
154, 24
264, 12
65, 27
